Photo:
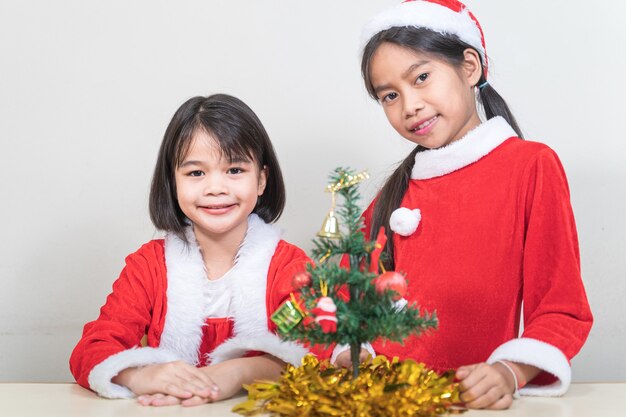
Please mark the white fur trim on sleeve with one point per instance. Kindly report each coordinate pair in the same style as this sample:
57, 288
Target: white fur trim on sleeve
339, 349
101, 375
236, 347
541, 355
404, 221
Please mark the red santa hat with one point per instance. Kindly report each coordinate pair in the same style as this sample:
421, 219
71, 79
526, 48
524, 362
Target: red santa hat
449, 17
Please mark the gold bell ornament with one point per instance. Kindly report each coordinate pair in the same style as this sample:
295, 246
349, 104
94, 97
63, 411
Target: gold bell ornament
330, 226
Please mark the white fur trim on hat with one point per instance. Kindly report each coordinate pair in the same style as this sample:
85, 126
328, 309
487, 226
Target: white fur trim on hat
327, 304
428, 15
470, 148
100, 376
404, 221
541, 355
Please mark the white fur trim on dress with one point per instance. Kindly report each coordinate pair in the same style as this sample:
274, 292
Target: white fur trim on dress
404, 221
541, 355
428, 15
470, 148
290, 352
182, 332
101, 375
249, 277
186, 274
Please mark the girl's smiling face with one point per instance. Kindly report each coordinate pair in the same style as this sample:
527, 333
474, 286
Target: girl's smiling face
427, 100
215, 193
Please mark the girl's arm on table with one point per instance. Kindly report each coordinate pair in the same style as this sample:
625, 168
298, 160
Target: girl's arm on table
229, 377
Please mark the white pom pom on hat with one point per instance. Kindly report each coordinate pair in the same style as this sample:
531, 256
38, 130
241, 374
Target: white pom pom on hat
444, 16
404, 221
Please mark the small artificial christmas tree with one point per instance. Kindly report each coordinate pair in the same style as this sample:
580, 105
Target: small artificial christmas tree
352, 303
344, 298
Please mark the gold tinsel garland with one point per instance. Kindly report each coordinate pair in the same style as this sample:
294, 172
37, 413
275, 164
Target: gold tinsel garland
383, 388
346, 180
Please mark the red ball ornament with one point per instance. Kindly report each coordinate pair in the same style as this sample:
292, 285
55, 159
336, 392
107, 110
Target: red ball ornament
391, 280
301, 280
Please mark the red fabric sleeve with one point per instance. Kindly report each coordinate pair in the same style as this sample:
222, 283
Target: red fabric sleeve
127, 313
288, 260
556, 310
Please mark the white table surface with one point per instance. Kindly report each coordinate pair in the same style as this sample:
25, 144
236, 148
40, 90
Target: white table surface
70, 400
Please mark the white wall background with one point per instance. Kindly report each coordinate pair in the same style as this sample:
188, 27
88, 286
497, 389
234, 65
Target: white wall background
87, 88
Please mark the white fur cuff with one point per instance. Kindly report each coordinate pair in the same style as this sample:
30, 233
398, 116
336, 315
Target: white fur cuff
101, 375
541, 355
404, 221
400, 304
342, 348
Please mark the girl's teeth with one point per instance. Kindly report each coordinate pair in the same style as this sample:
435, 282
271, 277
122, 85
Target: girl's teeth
426, 123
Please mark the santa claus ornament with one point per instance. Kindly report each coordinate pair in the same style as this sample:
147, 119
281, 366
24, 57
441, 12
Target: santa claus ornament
325, 313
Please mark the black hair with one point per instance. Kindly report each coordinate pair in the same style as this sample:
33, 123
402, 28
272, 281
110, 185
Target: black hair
239, 134
450, 49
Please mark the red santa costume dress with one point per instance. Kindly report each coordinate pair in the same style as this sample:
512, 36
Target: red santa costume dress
163, 292
486, 230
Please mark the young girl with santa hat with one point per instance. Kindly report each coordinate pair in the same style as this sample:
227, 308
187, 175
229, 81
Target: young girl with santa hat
479, 219
204, 293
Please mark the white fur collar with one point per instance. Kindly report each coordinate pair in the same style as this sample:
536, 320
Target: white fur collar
463, 152
186, 275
